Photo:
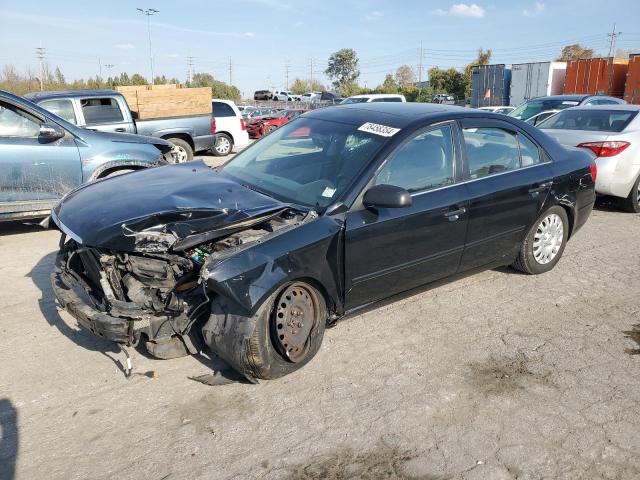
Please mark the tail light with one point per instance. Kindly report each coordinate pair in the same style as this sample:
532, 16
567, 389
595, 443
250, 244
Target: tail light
243, 125
605, 149
594, 171
213, 125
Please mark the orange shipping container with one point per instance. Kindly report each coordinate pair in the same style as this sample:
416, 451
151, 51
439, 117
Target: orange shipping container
597, 76
632, 89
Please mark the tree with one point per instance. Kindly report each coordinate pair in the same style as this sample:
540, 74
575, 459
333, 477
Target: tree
405, 76
483, 58
343, 69
218, 89
59, 77
574, 52
160, 80
137, 79
388, 86
301, 85
447, 81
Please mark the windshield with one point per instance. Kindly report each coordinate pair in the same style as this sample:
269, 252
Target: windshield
307, 161
355, 100
591, 120
534, 107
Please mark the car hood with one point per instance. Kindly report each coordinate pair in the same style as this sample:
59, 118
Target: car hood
159, 209
88, 135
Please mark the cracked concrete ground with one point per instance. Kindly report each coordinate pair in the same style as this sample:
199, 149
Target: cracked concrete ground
496, 376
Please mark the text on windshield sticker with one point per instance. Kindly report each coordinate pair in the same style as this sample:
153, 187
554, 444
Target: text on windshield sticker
377, 129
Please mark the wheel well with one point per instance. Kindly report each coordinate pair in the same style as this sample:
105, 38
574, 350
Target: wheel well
227, 134
572, 218
181, 136
110, 170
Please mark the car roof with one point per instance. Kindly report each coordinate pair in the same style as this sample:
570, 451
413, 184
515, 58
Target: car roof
376, 95
613, 106
70, 93
397, 115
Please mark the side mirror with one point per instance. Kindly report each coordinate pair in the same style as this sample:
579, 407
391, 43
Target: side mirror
51, 131
387, 196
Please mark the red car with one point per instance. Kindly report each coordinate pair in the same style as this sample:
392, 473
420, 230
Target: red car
260, 126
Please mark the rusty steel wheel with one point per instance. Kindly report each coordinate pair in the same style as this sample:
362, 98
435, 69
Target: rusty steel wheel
295, 318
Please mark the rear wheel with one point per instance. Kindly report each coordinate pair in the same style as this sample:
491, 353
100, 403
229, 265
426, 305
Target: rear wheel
182, 151
545, 242
632, 202
223, 145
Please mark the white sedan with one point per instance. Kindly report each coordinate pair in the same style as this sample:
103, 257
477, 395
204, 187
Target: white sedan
612, 134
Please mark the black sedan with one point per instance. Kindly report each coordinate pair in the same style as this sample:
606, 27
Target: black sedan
337, 210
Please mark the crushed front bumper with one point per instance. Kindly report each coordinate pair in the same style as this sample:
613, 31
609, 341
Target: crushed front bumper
103, 324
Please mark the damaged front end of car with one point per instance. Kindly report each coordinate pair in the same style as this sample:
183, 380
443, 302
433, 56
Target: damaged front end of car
154, 288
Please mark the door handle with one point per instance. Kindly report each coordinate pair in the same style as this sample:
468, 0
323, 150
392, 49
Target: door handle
120, 130
540, 187
454, 215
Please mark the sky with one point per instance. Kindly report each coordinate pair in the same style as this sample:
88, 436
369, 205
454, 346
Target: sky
265, 39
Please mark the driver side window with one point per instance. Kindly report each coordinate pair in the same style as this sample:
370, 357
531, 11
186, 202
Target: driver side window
424, 163
17, 123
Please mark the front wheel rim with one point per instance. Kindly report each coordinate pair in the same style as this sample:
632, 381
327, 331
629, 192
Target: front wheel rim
548, 239
296, 317
223, 145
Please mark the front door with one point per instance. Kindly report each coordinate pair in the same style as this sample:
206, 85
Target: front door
388, 251
34, 172
508, 180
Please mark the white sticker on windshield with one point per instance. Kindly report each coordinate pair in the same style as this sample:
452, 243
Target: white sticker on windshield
569, 102
328, 192
377, 129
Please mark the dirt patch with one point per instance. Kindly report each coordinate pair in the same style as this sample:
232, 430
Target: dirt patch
505, 375
206, 412
633, 334
379, 463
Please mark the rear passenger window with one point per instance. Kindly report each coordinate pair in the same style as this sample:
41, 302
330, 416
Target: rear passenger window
101, 110
221, 109
490, 150
424, 163
62, 108
529, 151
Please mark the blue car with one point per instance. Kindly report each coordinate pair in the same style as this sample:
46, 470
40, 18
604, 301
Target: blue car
43, 157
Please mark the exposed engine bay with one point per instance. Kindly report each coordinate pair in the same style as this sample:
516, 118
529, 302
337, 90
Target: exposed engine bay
154, 294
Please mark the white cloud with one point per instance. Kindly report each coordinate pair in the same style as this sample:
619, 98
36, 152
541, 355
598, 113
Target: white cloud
373, 16
461, 10
537, 10
172, 55
125, 46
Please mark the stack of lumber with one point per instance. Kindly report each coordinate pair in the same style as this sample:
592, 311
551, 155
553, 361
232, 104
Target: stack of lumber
161, 101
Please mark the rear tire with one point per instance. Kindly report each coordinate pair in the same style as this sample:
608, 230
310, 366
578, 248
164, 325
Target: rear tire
632, 202
223, 145
545, 242
182, 149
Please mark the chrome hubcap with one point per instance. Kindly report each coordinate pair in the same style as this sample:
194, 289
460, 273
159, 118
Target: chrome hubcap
548, 239
296, 317
179, 154
223, 145
638, 194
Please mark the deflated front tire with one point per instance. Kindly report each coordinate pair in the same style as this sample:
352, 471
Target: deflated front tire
282, 336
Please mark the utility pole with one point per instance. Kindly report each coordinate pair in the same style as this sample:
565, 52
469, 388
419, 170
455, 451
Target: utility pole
311, 74
148, 12
420, 68
286, 75
99, 68
230, 72
40, 55
189, 69
108, 66
612, 44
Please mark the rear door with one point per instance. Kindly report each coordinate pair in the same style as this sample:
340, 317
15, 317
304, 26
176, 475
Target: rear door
508, 179
34, 173
226, 119
106, 114
391, 250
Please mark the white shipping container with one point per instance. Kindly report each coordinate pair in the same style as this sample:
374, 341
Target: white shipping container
538, 79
